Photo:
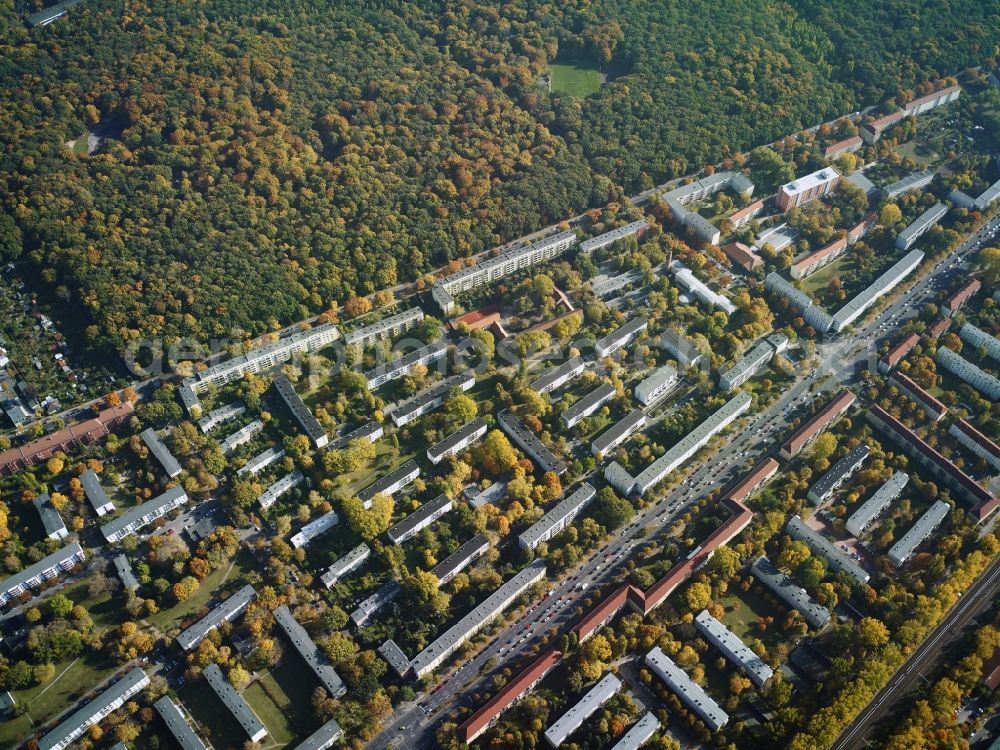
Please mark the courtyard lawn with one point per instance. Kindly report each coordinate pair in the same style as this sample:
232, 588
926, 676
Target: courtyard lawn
575, 77
74, 678
279, 730
216, 723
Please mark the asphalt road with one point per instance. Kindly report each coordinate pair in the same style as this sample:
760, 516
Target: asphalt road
413, 724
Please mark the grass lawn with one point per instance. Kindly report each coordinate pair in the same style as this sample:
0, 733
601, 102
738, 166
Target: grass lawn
817, 282
742, 620
920, 155
386, 461
74, 678
166, 619
266, 707
575, 77
217, 724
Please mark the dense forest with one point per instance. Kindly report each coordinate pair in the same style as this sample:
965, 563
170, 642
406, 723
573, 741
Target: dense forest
263, 161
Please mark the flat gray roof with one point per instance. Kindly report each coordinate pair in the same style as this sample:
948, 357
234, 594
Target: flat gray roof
370, 606
592, 700
426, 513
557, 516
93, 490
72, 726
160, 452
228, 610
124, 570
839, 473
818, 544
322, 738
51, 519
305, 418
571, 367
794, 596
178, 724
49, 561
640, 733
171, 497
390, 479
310, 653
620, 336
589, 403
690, 692
458, 437
625, 425
394, 655
235, 702
530, 444
735, 649
462, 557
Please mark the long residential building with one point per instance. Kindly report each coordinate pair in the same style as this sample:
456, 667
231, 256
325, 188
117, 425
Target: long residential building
983, 503
587, 405
558, 518
802, 190
461, 558
49, 567
690, 692
678, 198
241, 437
125, 573
847, 145
182, 732
161, 453
812, 314
314, 528
934, 99
960, 367
402, 366
733, 648
839, 473
395, 658
812, 429
497, 267
884, 284
221, 415
323, 738
345, 565
530, 444
457, 441
632, 229
753, 362
265, 358
962, 295
384, 594
862, 228
681, 348
606, 689
391, 483
55, 527
657, 471
874, 506
745, 215
300, 412
78, 722
557, 377
615, 340
311, 654
931, 406
491, 608
387, 328
837, 560
95, 493
896, 354
984, 201
235, 703
421, 518
140, 516
260, 462
640, 733
695, 286
655, 385
817, 259
907, 544
370, 431
518, 687
979, 339
871, 132
912, 181
430, 398
618, 433
920, 226
280, 488
974, 440
227, 611
788, 591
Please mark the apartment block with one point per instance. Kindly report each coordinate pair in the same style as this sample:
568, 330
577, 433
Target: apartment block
753, 362
310, 653
95, 493
314, 529
125, 573
280, 488
402, 366
932, 100
457, 441
742, 255
871, 132
812, 262
874, 506
235, 703
78, 722
489, 609
615, 340
387, 328
839, 473
429, 399
241, 437
181, 730
323, 738
690, 692
838, 560
221, 415
618, 433
812, 314
384, 594
746, 214
788, 591
979, 339
802, 190
557, 377
225, 612
346, 565
49, 567
461, 558
260, 462
640, 733
842, 147
681, 348
656, 385
976, 442
391, 483
734, 649
527, 441
420, 519
161, 453
141, 516
558, 518
815, 426
587, 405
371, 431
884, 284
699, 289
930, 405
862, 228
896, 354
55, 527
912, 181
305, 419
395, 658
920, 226
955, 302
606, 689
963, 369
632, 229
907, 544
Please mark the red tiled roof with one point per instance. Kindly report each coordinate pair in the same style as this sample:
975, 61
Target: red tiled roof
967, 427
900, 350
741, 254
840, 146
919, 394
962, 296
938, 328
991, 670
834, 247
818, 423
746, 211
930, 97
603, 612
761, 473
